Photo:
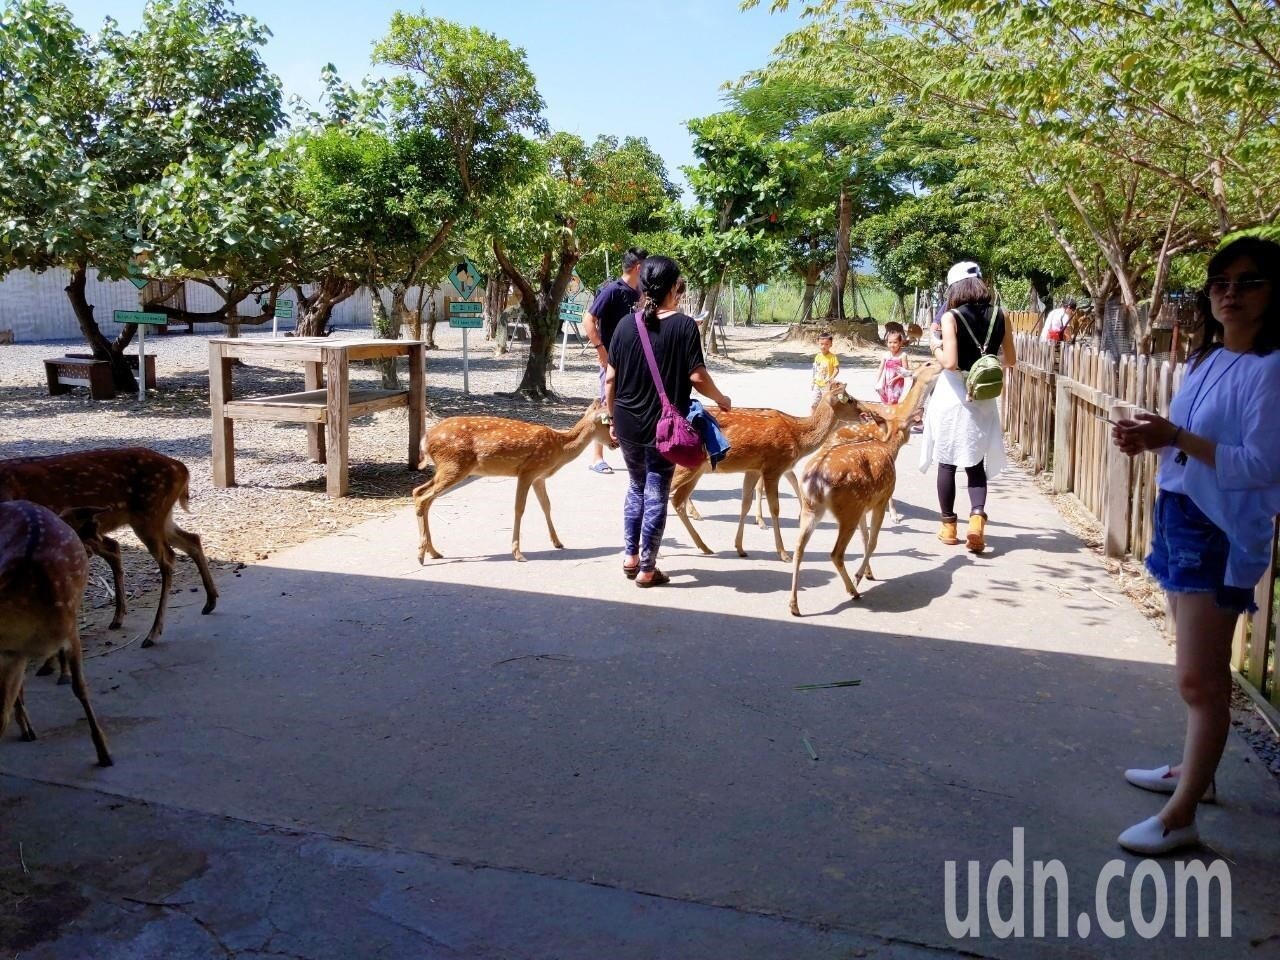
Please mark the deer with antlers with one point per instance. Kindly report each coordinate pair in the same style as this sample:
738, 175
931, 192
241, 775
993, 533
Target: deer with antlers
130, 485
462, 447
764, 445
43, 571
854, 476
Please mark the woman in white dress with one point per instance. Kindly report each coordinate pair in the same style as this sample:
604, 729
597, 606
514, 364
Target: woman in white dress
959, 432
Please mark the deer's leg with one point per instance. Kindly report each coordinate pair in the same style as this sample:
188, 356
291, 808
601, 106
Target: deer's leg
164, 556
681, 490
189, 543
771, 490
11, 670
540, 491
760, 505
692, 510
109, 550
522, 494
82, 694
808, 523
423, 496
749, 480
877, 520
24, 722
843, 535
46, 668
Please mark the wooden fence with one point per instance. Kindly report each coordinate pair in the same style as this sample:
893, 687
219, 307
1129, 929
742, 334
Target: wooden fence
1055, 409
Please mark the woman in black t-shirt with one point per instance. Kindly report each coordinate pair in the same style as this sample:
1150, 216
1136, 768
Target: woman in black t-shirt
633, 402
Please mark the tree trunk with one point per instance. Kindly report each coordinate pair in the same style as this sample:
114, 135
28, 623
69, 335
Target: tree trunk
384, 329
495, 296
535, 382
806, 303
313, 317
709, 325
844, 225
121, 374
751, 305
433, 317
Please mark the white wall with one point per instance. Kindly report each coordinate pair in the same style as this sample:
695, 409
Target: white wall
35, 305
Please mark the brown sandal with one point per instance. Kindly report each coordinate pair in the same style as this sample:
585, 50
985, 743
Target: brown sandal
659, 578
630, 572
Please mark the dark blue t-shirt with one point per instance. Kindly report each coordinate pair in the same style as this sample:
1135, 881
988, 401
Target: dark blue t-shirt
615, 300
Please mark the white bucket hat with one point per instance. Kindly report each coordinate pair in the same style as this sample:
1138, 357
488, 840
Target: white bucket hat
965, 268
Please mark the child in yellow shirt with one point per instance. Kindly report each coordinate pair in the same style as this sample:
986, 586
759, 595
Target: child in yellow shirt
826, 367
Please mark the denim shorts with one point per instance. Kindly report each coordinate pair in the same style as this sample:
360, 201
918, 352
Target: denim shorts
1189, 554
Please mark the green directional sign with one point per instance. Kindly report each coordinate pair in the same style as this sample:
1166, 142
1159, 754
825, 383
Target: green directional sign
284, 310
465, 277
135, 275
571, 311
466, 315
141, 317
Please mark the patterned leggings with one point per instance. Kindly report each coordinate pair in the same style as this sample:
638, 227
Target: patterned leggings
644, 514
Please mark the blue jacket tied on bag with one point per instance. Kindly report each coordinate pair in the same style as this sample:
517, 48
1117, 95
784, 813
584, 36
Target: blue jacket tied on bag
708, 428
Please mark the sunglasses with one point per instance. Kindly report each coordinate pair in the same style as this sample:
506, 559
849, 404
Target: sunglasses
1220, 285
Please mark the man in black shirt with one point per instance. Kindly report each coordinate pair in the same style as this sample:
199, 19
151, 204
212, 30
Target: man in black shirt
616, 299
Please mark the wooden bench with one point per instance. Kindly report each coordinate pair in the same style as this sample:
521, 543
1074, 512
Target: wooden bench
132, 360
63, 373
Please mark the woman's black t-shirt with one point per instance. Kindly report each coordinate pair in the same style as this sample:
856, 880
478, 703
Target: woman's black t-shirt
967, 349
678, 349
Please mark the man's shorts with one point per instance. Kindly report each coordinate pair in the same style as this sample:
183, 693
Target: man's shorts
1189, 554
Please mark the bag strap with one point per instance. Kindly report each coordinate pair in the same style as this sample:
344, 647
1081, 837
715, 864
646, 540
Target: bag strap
648, 355
991, 329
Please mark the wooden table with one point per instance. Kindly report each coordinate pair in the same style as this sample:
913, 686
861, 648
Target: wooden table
326, 406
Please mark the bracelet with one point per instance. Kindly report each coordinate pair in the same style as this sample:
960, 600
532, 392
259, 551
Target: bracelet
1176, 434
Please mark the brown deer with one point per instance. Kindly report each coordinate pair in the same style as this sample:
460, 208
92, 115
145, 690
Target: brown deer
130, 485
764, 445
43, 571
852, 476
462, 447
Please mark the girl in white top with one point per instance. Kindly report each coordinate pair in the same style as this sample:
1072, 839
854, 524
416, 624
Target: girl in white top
1219, 483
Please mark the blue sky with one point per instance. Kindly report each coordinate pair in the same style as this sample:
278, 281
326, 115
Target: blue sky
604, 67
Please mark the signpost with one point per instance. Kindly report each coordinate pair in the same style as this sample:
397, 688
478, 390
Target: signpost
134, 272
465, 277
570, 316
143, 320
466, 315
283, 311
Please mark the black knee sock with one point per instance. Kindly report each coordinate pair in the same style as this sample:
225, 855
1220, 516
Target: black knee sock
977, 475
947, 490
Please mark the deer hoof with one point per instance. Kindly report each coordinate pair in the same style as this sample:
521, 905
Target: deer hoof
64, 679
795, 609
784, 557
106, 762
116, 624
741, 552
46, 669
209, 605
28, 736
148, 642
519, 556
558, 545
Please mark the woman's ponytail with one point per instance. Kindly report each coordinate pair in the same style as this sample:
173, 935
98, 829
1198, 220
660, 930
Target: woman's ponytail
658, 278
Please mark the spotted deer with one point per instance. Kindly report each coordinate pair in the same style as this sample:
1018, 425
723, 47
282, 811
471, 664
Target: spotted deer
854, 476
129, 485
43, 571
764, 444
462, 447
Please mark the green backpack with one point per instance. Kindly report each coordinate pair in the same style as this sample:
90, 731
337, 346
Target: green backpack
985, 379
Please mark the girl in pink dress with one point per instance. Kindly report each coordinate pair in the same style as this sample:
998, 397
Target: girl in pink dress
894, 368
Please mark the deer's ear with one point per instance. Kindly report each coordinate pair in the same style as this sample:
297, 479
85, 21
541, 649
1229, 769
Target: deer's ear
83, 520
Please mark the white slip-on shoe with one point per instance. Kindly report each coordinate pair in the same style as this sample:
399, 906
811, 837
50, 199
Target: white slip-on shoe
1162, 780
1151, 839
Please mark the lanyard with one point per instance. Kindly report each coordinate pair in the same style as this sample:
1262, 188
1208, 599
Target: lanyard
1202, 394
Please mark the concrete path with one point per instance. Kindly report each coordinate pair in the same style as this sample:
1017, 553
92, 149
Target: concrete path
359, 757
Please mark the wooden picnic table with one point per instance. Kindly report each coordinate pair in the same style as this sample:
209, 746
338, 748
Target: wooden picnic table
326, 406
